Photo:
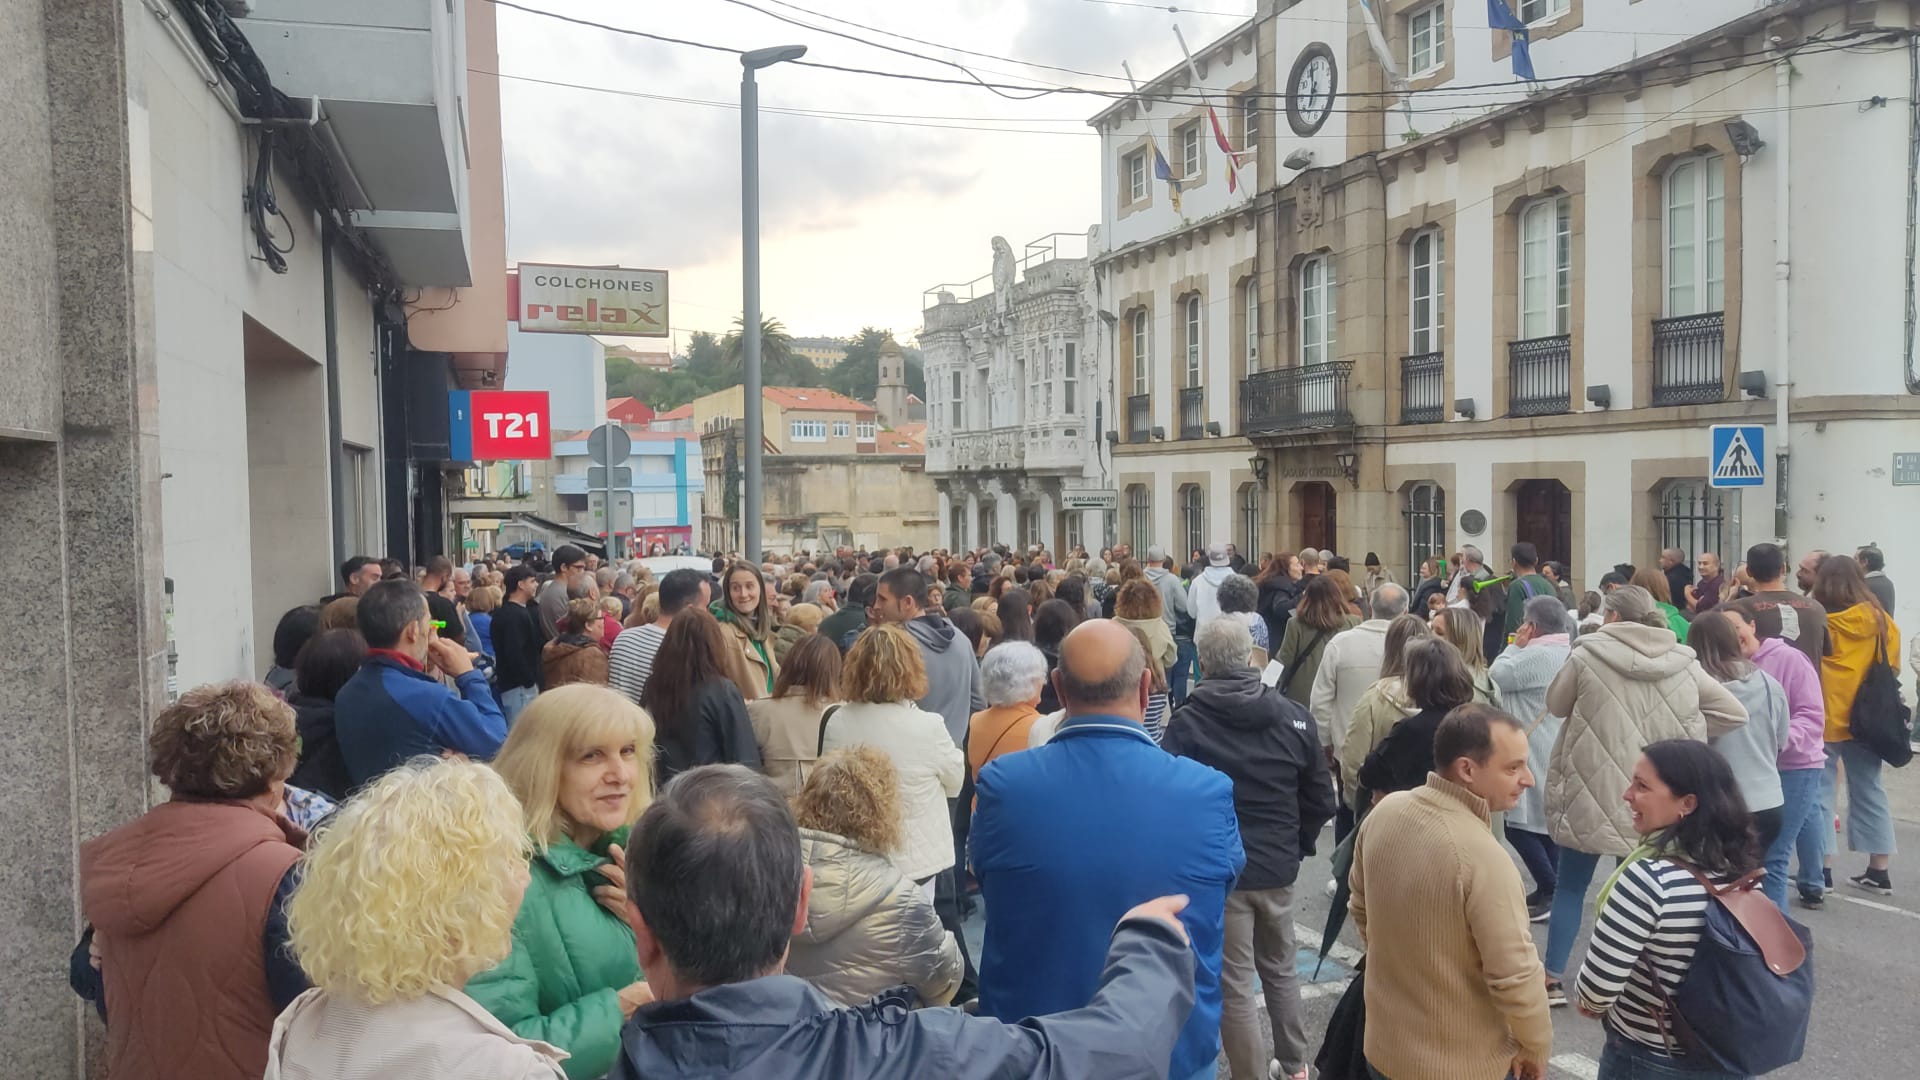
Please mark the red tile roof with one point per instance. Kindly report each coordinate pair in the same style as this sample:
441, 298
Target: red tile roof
684, 412
814, 399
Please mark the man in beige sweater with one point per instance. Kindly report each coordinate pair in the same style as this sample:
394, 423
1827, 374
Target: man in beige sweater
1454, 988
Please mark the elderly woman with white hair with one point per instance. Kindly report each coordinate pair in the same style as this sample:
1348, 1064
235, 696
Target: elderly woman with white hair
1012, 676
1523, 673
821, 594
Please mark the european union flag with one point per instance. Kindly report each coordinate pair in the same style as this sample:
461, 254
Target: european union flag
1501, 17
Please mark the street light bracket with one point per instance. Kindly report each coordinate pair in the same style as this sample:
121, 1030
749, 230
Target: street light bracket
778, 54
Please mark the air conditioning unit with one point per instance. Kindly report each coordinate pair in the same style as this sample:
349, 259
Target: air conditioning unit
239, 9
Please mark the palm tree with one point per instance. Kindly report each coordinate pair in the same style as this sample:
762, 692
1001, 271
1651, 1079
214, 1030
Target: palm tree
776, 349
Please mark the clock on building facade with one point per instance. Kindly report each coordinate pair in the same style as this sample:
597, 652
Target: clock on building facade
1311, 89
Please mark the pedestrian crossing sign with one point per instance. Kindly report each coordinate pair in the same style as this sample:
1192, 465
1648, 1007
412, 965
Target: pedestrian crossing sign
1737, 456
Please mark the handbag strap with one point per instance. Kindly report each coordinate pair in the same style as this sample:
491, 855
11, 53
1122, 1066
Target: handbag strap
1286, 680
820, 748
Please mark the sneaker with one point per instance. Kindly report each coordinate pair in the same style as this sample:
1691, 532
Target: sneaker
1813, 901
1332, 888
1556, 995
1826, 872
1277, 1071
1873, 881
1539, 911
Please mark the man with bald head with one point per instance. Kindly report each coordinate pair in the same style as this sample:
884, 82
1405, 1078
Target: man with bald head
1069, 835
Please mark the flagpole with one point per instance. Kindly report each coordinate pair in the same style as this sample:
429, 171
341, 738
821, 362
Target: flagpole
1193, 69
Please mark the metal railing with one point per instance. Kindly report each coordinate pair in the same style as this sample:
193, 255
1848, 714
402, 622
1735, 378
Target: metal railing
1296, 398
1193, 412
1538, 372
1423, 388
1689, 359
1139, 418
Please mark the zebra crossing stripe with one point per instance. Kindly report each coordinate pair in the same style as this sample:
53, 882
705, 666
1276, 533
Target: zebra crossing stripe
1578, 1065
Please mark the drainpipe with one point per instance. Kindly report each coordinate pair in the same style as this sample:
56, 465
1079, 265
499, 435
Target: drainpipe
1912, 378
336, 458
1782, 290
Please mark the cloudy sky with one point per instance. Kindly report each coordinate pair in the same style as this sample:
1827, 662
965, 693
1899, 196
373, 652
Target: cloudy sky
859, 216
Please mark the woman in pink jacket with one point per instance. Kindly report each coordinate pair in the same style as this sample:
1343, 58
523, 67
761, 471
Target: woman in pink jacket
1802, 762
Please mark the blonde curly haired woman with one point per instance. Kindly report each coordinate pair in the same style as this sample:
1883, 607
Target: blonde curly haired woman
580, 760
868, 927
409, 890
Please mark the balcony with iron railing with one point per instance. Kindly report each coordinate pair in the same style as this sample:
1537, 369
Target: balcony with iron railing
1539, 371
1423, 388
1139, 418
1193, 412
1689, 359
1292, 399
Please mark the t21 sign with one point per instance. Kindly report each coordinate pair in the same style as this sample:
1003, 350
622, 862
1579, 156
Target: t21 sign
499, 425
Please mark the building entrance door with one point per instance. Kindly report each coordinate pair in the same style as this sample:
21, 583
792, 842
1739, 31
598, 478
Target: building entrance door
1543, 516
1316, 508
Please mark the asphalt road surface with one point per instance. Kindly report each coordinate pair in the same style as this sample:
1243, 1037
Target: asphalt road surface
1866, 1019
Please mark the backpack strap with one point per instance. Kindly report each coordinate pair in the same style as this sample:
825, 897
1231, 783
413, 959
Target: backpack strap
1286, 679
1779, 946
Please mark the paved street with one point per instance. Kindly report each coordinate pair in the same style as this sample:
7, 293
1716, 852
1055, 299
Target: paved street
1866, 951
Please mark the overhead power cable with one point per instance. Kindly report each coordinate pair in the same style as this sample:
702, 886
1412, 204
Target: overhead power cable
1754, 58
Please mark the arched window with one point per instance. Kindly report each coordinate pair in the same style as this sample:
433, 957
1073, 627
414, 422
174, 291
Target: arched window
1250, 312
1194, 310
1139, 518
1426, 526
1142, 352
1426, 299
1250, 500
1696, 200
1193, 515
1316, 310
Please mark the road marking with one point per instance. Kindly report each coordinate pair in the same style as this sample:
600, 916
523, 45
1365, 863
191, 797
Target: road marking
1311, 991
1579, 1065
1340, 953
1878, 906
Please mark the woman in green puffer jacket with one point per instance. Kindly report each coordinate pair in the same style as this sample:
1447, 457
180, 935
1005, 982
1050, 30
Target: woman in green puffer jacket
580, 760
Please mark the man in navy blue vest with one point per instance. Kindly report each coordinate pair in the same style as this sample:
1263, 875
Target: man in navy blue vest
395, 707
1070, 835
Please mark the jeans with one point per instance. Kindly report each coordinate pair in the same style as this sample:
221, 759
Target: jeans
1260, 938
1869, 821
1540, 854
1182, 669
1624, 1059
1800, 830
512, 701
1569, 907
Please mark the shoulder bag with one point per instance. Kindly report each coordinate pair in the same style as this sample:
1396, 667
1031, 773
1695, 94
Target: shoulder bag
1879, 718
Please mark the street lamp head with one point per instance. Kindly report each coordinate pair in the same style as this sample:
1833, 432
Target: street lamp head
779, 54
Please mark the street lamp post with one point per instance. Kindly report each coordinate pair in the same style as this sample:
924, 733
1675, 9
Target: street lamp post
750, 62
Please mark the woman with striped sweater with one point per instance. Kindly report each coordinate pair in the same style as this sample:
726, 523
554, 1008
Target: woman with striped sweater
1688, 811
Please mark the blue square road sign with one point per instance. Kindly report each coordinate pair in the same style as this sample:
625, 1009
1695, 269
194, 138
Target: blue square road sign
1738, 459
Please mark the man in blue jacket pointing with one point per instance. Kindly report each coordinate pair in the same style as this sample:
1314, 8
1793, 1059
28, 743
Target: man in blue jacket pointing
395, 706
1068, 836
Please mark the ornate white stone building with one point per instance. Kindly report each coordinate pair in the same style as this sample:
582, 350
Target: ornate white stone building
1016, 385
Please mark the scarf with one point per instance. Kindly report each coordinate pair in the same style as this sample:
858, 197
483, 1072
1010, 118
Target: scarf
1646, 850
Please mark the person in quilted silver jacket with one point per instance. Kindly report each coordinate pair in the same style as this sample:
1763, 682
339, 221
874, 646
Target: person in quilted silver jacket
869, 927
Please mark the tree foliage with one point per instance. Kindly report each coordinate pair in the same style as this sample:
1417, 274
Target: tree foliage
710, 364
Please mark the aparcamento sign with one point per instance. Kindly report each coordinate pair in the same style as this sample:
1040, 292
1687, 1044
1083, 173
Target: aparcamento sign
592, 300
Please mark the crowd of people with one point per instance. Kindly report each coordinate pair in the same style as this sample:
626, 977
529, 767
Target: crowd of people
544, 817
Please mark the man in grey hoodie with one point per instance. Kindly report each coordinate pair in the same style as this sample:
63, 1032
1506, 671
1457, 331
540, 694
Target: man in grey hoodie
1177, 609
953, 691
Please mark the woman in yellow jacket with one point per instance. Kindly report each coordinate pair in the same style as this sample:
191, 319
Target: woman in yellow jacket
746, 615
1857, 627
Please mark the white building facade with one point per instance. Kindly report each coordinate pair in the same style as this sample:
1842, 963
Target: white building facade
1486, 315
1016, 385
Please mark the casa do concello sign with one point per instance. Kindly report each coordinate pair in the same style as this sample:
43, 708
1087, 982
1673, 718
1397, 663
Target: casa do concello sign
591, 300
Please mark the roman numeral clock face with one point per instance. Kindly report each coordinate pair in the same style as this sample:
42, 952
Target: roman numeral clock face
1311, 89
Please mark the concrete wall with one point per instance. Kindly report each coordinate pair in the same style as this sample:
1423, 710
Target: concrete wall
79, 477
571, 368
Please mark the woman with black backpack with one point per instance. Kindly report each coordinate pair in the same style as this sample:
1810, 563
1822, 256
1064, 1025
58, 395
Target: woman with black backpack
1692, 822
